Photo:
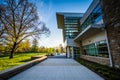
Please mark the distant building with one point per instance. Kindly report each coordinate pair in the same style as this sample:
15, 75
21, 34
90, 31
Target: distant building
85, 35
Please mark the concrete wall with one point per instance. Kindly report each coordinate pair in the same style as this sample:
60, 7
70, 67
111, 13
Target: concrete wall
111, 17
95, 38
100, 60
70, 42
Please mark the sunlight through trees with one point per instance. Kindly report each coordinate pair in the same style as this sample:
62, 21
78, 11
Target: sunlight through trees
20, 20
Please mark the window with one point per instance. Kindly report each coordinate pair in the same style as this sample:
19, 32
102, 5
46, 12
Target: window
96, 49
76, 52
102, 47
71, 27
93, 18
97, 14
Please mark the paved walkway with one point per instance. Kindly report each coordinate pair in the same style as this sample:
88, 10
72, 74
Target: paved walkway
57, 69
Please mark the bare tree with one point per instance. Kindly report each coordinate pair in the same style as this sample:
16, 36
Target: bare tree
1, 30
20, 20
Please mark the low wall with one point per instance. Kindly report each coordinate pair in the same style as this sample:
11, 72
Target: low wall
15, 70
100, 60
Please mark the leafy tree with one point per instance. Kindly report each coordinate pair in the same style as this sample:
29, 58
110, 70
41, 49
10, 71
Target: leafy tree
50, 50
24, 46
42, 49
2, 48
35, 45
20, 20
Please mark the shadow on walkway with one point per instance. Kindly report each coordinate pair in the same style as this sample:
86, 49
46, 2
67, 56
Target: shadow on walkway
57, 56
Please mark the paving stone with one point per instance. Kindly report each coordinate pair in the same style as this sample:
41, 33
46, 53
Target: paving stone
57, 69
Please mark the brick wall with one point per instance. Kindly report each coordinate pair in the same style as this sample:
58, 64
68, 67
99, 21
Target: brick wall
100, 60
111, 17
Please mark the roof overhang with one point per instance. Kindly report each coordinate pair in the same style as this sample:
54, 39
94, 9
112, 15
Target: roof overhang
89, 31
60, 20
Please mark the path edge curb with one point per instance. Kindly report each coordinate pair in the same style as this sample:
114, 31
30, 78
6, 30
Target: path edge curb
17, 69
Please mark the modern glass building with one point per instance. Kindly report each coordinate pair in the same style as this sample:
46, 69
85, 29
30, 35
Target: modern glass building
85, 35
93, 21
70, 25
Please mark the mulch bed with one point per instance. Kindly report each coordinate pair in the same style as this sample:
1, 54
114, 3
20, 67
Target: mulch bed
106, 72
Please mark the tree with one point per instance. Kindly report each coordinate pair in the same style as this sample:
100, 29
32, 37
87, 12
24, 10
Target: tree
2, 48
35, 45
24, 46
60, 48
20, 20
1, 30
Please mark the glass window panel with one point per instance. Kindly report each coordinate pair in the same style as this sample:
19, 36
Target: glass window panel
94, 17
96, 49
71, 26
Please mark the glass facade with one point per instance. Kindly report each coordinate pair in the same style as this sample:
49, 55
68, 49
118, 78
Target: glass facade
96, 49
71, 27
93, 18
76, 52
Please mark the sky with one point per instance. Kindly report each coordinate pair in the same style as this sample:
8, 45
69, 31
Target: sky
47, 12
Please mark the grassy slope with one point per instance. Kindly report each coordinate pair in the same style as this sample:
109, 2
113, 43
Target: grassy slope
18, 59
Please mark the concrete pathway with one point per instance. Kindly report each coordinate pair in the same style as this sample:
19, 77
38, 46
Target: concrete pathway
57, 69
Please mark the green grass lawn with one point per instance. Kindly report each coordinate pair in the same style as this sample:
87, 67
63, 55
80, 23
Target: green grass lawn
18, 59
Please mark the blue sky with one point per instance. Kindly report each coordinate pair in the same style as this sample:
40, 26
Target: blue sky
47, 12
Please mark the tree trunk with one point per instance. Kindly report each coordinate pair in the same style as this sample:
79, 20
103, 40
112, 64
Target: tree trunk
12, 51
11, 55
